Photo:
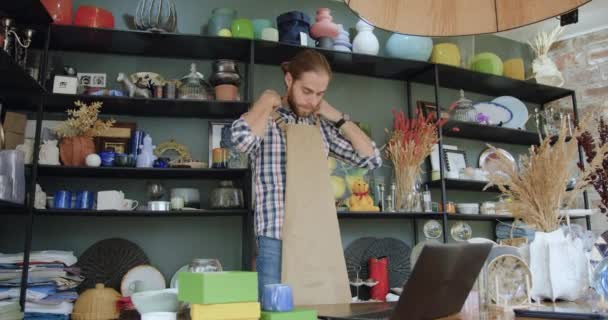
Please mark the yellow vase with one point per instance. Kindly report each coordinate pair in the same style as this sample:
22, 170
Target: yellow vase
514, 69
446, 53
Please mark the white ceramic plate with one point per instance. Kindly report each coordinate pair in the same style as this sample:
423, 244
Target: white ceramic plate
148, 277
518, 110
495, 112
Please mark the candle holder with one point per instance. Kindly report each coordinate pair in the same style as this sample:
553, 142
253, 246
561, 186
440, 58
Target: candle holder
14, 44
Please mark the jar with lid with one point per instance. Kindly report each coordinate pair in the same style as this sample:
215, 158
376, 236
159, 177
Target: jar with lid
205, 265
463, 110
194, 86
226, 196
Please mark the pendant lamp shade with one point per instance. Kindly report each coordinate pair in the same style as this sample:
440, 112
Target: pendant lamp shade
458, 17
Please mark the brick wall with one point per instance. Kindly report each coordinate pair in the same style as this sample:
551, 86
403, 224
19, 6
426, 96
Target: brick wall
583, 61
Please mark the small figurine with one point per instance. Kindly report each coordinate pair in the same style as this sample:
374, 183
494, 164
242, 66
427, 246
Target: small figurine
132, 88
40, 198
146, 156
360, 200
49, 153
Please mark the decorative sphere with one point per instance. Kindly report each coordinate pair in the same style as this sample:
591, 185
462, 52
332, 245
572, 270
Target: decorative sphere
93, 160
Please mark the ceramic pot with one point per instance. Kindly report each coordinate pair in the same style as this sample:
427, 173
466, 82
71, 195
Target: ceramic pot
259, 25
325, 43
156, 15
446, 53
514, 69
242, 28
59, 10
93, 17
226, 92
291, 24
221, 18
365, 41
487, 62
409, 47
73, 151
270, 34
97, 304
342, 41
225, 72
324, 27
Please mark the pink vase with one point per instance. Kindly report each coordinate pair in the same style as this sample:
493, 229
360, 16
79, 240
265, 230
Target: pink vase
324, 27
59, 10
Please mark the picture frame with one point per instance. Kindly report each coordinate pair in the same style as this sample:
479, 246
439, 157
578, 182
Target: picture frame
117, 138
455, 160
427, 108
219, 136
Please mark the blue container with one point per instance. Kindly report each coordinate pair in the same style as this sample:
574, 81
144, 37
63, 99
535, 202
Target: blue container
84, 200
137, 139
62, 199
107, 158
277, 298
291, 24
409, 47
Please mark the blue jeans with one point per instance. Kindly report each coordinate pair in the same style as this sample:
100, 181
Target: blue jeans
268, 262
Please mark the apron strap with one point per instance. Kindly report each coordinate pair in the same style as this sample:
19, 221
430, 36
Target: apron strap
282, 124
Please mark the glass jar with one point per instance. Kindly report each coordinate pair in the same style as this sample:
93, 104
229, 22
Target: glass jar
194, 86
464, 110
205, 265
226, 196
221, 18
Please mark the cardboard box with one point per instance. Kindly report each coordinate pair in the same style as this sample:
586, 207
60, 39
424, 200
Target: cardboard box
14, 129
297, 314
227, 311
218, 287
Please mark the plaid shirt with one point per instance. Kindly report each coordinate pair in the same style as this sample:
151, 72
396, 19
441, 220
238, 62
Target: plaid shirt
269, 157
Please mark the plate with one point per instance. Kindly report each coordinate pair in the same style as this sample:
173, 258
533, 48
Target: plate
141, 79
461, 231
518, 109
495, 112
510, 272
486, 158
142, 278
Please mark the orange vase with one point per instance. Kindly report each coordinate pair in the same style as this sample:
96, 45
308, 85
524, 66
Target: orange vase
59, 10
74, 150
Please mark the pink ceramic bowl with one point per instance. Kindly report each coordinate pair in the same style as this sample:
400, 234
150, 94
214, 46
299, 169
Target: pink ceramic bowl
93, 17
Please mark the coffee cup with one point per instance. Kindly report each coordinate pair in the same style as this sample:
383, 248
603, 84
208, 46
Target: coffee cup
129, 205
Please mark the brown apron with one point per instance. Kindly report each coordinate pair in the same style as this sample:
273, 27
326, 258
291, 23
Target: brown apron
313, 259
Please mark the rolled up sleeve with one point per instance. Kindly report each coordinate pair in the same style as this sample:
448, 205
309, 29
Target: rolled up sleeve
243, 138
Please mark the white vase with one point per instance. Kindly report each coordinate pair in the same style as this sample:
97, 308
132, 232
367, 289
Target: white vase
49, 153
546, 72
365, 41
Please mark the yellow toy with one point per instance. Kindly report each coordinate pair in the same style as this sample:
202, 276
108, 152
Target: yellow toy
360, 200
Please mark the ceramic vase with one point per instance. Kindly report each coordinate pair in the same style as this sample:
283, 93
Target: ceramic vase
365, 41
324, 27
291, 25
259, 25
546, 72
270, 34
446, 53
242, 28
342, 41
404, 46
156, 15
221, 18
59, 10
73, 151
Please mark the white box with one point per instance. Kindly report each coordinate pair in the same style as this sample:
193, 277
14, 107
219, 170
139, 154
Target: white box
65, 85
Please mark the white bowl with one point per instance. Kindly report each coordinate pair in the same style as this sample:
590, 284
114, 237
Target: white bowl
156, 301
159, 316
468, 208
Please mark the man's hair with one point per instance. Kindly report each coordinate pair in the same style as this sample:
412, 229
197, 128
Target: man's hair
306, 61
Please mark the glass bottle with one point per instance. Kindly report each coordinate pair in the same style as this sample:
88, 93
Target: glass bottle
464, 110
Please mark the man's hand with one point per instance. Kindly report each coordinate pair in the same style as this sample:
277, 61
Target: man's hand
328, 112
270, 99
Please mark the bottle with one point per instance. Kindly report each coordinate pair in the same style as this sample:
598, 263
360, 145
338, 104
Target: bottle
426, 200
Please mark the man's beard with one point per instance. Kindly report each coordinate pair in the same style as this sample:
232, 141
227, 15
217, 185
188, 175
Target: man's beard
293, 106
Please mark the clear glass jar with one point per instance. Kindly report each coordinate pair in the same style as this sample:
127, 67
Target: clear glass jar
205, 265
226, 196
194, 86
464, 110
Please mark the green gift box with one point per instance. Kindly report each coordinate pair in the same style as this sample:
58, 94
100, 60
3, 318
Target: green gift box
297, 314
218, 287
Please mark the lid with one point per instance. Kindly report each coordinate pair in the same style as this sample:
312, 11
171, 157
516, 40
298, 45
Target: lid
97, 304
194, 76
463, 102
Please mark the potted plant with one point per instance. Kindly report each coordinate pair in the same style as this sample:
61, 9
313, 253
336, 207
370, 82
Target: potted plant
538, 192
77, 133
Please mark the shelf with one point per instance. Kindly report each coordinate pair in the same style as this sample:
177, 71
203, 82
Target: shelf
140, 173
25, 11
142, 43
388, 215
491, 85
468, 130
8, 208
140, 213
479, 217
14, 78
467, 185
150, 107
274, 53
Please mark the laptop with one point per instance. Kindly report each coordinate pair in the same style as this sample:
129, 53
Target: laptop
440, 283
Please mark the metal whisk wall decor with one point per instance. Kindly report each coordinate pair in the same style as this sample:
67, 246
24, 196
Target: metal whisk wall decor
156, 15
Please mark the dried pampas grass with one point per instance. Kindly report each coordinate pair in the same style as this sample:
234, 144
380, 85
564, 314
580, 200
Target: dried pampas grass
538, 188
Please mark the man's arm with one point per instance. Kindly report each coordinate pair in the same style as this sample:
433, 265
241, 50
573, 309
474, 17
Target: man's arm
248, 131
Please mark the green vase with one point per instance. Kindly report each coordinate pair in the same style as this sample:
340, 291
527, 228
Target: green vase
242, 28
